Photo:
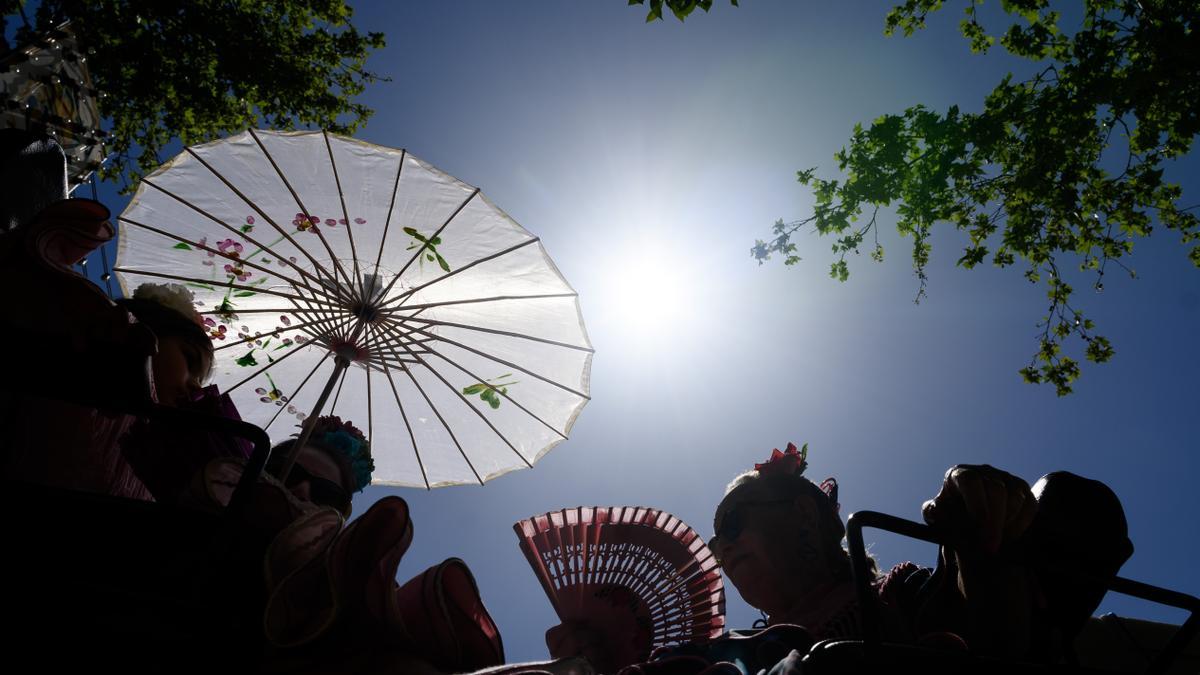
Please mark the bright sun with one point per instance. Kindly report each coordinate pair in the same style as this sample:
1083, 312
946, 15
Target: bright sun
651, 294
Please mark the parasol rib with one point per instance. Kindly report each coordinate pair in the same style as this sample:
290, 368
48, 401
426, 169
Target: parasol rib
338, 395
497, 331
445, 426
297, 391
506, 396
404, 416
467, 301
500, 360
260, 336
225, 284
467, 403
337, 265
263, 214
420, 250
304, 274
243, 261
464, 268
387, 223
337, 180
281, 359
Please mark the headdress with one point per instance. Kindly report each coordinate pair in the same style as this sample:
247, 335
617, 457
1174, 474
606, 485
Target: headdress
793, 462
348, 441
172, 296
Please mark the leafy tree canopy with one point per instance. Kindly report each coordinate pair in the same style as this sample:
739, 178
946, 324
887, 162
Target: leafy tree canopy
680, 8
1059, 171
195, 70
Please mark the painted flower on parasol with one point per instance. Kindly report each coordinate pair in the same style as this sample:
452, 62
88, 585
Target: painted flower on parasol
340, 277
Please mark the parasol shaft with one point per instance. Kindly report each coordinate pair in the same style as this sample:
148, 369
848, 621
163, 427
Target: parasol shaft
340, 364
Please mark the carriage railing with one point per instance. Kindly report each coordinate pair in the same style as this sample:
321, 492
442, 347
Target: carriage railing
869, 601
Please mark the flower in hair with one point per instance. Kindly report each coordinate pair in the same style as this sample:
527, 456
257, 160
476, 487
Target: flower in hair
172, 296
790, 461
348, 441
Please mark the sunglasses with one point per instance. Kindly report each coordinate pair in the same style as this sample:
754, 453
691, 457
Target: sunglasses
734, 522
321, 490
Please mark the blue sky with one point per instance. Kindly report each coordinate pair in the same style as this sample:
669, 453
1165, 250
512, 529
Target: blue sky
653, 156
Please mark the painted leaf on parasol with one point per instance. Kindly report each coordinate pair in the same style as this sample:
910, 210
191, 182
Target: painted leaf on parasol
640, 576
337, 276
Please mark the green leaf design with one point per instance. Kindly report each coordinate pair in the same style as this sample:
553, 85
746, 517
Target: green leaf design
490, 391
442, 262
203, 286
244, 294
182, 246
247, 361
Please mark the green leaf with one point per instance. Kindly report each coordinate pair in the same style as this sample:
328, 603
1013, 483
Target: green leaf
247, 361
474, 389
244, 294
442, 262
182, 246
203, 286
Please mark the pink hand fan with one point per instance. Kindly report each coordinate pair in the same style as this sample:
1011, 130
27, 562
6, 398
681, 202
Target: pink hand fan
638, 575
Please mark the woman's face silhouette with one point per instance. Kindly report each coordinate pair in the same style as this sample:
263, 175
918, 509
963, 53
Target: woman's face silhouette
775, 559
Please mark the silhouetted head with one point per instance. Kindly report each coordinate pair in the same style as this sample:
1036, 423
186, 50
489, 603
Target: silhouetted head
184, 359
778, 534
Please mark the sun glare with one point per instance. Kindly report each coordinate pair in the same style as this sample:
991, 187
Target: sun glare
650, 294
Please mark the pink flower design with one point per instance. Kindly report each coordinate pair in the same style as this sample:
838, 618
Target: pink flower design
237, 271
330, 222
203, 245
342, 221
215, 331
360, 221
249, 220
285, 320
230, 248
302, 222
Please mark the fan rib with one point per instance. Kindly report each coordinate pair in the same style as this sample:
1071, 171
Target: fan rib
580, 555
